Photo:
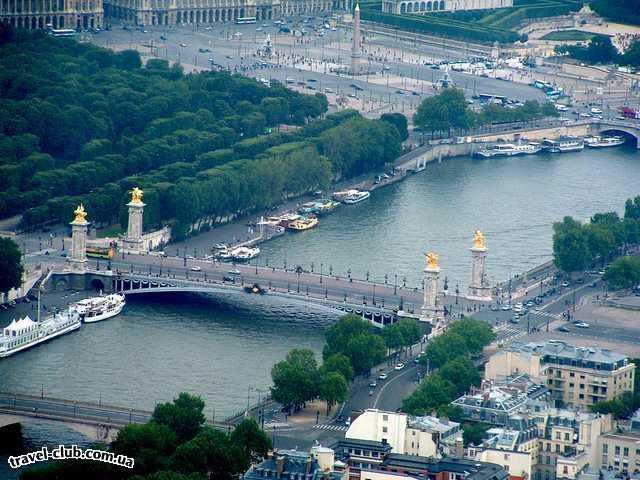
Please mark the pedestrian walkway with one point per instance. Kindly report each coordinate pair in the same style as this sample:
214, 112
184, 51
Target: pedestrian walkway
331, 426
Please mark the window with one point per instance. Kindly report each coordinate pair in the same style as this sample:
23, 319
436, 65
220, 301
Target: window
571, 374
557, 435
582, 386
605, 448
557, 448
385, 429
625, 452
385, 418
617, 450
582, 396
566, 436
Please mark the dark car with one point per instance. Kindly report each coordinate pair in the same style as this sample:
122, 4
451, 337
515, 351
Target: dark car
255, 288
228, 279
564, 328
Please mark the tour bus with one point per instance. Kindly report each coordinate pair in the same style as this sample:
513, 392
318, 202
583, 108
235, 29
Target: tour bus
101, 252
489, 98
62, 32
245, 20
542, 85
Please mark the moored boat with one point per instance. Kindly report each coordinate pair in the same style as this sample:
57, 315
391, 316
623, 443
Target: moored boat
24, 333
304, 223
563, 145
355, 196
244, 254
509, 150
95, 309
327, 206
604, 142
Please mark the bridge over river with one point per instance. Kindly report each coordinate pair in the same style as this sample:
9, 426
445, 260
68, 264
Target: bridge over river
94, 420
149, 274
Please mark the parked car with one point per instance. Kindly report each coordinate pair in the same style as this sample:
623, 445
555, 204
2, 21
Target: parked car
234, 271
373, 384
564, 328
382, 376
196, 268
581, 324
399, 366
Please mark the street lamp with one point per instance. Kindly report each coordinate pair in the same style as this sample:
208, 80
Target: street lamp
457, 292
395, 283
321, 265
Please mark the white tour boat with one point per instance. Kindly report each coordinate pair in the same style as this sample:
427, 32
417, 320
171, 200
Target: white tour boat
244, 254
509, 150
25, 333
95, 309
604, 142
355, 196
563, 145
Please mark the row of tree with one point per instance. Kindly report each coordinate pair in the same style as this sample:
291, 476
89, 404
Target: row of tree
577, 246
600, 49
449, 110
174, 445
74, 116
83, 124
352, 346
11, 268
452, 354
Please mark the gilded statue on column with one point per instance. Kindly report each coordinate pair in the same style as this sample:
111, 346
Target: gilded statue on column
136, 195
80, 214
432, 260
478, 240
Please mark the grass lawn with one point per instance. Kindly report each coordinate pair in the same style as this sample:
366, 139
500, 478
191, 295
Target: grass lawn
569, 35
112, 231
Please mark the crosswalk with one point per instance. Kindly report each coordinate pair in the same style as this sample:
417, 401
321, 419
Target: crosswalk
331, 426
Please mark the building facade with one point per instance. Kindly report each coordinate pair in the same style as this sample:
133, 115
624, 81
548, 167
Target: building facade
180, 12
548, 445
576, 376
429, 6
421, 436
59, 14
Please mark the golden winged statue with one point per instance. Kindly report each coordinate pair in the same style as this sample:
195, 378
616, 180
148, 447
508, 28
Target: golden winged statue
136, 195
80, 214
478, 239
432, 260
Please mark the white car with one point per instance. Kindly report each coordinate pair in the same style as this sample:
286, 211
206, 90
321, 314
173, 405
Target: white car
196, 268
399, 366
235, 271
581, 325
382, 376
183, 45
596, 111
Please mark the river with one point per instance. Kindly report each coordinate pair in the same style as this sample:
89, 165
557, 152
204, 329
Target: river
217, 348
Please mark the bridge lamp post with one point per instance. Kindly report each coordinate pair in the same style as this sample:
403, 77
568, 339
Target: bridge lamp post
367, 275
312, 266
256, 266
42, 391
298, 272
404, 282
374, 293
321, 265
185, 258
349, 274
395, 283
457, 292
386, 278
161, 262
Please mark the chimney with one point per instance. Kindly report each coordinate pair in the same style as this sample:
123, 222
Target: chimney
279, 466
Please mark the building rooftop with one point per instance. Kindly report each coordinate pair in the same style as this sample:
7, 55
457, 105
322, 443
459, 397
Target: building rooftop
296, 465
361, 444
507, 396
433, 424
560, 352
470, 468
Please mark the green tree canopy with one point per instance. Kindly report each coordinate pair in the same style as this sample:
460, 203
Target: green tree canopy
432, 393
10, 265
183, 416
353, 337
624, 272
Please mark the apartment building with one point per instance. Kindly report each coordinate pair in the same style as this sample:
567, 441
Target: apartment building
545, 445
575, 376
422, 436
620, 450
495, 402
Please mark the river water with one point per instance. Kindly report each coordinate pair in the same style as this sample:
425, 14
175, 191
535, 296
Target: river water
219, 347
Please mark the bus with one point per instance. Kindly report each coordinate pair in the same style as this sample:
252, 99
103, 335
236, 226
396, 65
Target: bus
62, 32
490, 98
101, 252
245, 20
